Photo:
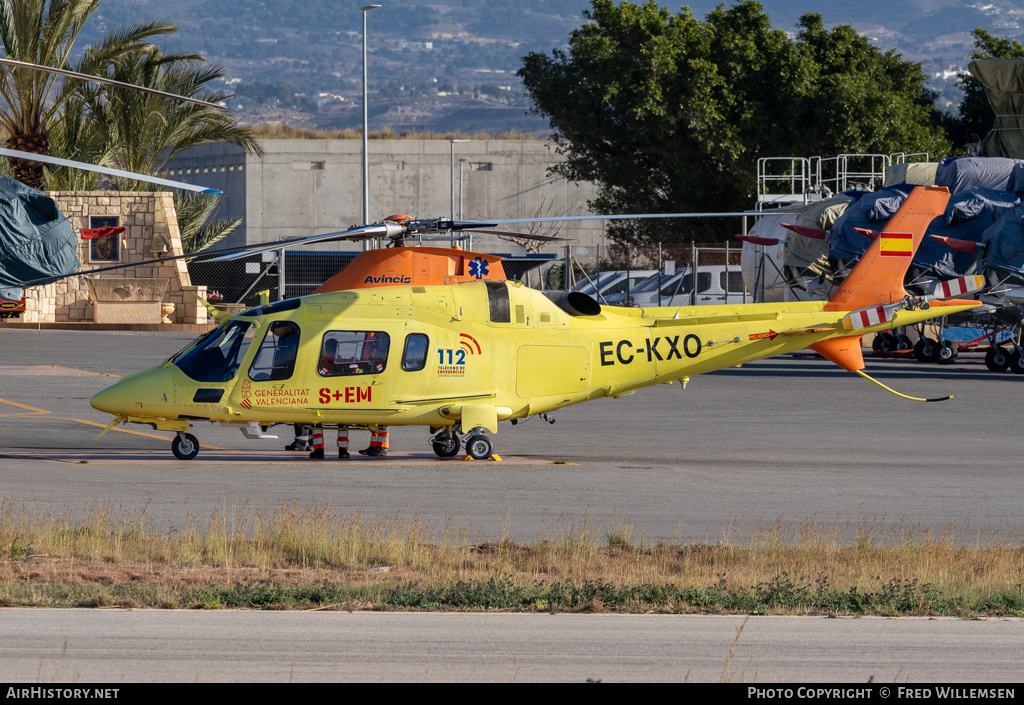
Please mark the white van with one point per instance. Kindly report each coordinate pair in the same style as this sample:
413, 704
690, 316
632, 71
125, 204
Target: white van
611, 283
715, 285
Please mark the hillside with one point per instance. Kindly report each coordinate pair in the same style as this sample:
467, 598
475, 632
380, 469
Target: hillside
450, 65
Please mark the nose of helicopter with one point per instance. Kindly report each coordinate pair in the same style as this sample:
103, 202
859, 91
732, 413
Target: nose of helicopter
148, 393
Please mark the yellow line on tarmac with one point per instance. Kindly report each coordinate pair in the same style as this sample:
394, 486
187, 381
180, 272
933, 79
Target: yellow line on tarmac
75, 369
36, 411
22, 406
135, 433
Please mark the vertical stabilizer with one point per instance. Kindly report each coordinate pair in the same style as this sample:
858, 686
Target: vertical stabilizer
878, 276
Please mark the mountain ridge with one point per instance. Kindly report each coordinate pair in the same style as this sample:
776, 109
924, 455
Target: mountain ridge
301, 62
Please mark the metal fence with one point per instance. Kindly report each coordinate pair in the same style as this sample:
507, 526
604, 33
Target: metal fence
588, 264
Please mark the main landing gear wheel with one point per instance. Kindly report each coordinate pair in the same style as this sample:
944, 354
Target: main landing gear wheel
1017, 361
185, 446
997, 359
924, 350
479, 447
446, 445
946, 352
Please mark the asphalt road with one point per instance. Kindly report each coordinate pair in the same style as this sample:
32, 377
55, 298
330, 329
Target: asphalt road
81, 646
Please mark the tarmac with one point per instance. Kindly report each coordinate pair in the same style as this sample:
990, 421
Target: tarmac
792, 439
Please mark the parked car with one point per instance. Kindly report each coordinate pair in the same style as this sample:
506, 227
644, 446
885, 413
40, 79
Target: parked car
611, 283
715, 285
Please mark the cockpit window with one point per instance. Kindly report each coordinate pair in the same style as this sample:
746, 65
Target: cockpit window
216, 358
347, 352
276, 307
276, 357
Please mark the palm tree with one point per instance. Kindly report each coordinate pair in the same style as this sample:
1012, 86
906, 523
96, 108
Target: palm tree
145, 130
44, 32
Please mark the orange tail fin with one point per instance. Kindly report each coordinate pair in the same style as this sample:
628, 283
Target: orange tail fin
878, 276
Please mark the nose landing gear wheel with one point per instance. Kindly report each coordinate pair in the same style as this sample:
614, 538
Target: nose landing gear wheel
185, 446
446, 446
479, 447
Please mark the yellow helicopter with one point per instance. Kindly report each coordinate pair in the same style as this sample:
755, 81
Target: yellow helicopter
463, 355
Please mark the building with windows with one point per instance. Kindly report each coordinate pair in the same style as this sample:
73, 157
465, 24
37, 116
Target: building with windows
308, 187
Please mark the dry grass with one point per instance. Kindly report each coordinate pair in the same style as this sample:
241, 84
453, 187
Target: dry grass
288, 132
107, 545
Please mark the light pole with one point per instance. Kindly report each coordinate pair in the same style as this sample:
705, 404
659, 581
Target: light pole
366, 121
452, 176
453, 173
461, 162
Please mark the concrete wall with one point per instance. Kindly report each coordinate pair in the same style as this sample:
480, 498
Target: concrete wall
307, 187
151, 228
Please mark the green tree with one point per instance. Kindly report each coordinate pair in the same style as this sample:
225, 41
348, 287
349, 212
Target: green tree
975, 117
668, 113
862, 100
44, 32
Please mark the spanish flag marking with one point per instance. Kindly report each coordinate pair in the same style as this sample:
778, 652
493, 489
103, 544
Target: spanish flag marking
896, 245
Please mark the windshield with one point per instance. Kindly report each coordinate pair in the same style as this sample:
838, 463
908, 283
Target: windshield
216, 357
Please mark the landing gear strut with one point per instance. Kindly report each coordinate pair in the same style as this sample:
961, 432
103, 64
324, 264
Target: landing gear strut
478, 445
185, 446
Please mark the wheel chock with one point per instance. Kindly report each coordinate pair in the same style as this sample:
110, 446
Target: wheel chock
495, 457
467, 457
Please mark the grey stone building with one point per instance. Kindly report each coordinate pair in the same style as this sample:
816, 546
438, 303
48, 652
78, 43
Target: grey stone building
307, 187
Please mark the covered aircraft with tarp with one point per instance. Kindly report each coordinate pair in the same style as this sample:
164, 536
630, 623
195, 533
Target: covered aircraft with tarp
967, 216
1004, 244
918, 173
806, 258
1003, 80
961, 173
36, 240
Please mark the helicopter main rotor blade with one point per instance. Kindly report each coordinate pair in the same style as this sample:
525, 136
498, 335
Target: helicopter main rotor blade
365, 232
45, 159
464, 224
190, 255
108, 81
417, 229
524, 236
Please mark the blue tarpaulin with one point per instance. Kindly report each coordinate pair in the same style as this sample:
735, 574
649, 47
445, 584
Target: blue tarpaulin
36, 240
1004, 242
960, 174
871, 211
966, 217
